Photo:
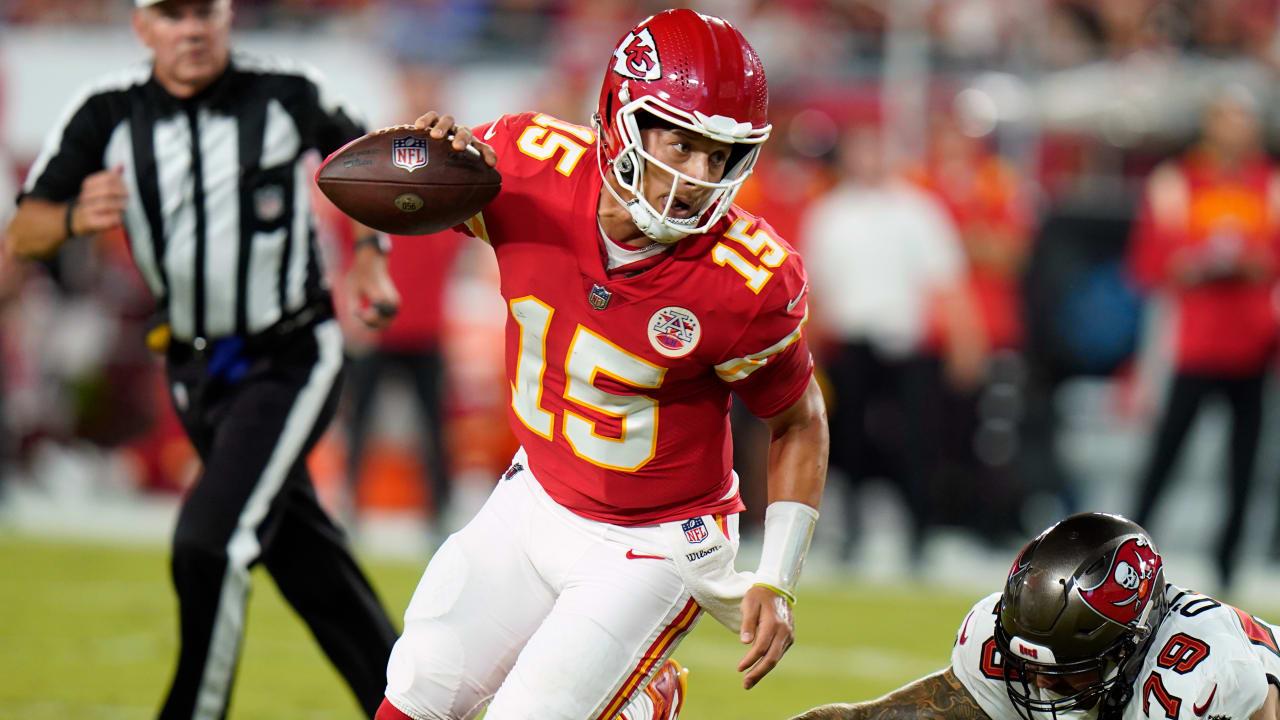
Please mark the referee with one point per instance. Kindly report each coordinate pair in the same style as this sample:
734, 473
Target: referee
200, 155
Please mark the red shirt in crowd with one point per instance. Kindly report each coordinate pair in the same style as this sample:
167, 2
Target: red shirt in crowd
420, 268
1196, 214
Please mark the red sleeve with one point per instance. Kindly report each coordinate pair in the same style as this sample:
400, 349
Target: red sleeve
769, 365
780, 384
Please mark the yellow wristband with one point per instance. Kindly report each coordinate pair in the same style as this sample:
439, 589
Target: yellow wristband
791, 599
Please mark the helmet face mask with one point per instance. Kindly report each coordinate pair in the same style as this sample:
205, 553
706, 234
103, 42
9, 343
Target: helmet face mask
1081, 603
1059, 691
630, 171
694, 72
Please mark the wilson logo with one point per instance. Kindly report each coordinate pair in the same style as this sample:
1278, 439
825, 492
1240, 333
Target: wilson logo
698, 555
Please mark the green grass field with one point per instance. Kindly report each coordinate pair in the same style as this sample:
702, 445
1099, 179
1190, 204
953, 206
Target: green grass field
89, 631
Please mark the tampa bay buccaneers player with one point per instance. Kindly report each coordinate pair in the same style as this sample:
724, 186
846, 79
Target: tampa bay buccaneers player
1087, 627
639, 299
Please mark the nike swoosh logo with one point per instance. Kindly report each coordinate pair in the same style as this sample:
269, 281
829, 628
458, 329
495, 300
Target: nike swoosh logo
1200, 709
794, 301
489, 133
633, 555
964, 629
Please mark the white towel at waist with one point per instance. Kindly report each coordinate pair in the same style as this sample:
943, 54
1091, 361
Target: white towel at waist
704, 556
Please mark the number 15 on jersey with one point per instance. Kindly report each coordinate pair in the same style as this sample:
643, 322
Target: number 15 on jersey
589, 356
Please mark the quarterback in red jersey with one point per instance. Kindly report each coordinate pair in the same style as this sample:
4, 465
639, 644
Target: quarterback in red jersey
640, 299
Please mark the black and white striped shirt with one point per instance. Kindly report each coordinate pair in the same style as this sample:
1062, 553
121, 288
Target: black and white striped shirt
219, 214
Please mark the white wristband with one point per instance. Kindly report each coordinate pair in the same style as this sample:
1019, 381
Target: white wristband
788, 529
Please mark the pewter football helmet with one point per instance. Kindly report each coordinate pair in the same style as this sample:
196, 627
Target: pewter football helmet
1080, 605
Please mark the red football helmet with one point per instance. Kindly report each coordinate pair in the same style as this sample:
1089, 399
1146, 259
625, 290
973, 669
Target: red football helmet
696, 72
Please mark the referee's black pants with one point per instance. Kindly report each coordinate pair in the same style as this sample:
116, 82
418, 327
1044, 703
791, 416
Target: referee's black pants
254, 502
1244, 394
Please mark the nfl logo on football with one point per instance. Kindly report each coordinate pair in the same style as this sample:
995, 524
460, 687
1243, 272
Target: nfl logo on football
409, 153
694, 530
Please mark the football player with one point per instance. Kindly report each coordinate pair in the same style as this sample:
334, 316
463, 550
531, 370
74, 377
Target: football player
639, 299
1087, 627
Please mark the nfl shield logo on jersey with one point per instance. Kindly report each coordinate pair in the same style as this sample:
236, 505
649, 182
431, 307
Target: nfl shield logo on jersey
409, 153
599, 297
268, 203
694, 530
674, 332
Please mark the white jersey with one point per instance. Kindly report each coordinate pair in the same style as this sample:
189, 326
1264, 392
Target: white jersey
1209, 661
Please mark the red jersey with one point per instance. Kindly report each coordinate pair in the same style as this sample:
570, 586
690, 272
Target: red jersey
1229, 326
620, 386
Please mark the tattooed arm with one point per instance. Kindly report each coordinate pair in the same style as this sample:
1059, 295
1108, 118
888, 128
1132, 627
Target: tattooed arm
939, 696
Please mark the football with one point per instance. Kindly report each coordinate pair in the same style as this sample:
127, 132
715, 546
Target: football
403, 181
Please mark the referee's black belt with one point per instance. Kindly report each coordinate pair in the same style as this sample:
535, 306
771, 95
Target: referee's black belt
279, 335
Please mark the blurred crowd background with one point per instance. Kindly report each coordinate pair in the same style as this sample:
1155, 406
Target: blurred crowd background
1042, 238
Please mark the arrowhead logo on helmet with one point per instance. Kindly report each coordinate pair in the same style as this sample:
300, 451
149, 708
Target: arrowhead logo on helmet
637, 57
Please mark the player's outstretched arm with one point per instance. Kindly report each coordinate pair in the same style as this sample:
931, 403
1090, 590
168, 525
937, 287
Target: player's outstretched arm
939, 696
797, 472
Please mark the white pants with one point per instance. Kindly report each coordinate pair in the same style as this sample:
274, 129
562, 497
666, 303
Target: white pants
548, 613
